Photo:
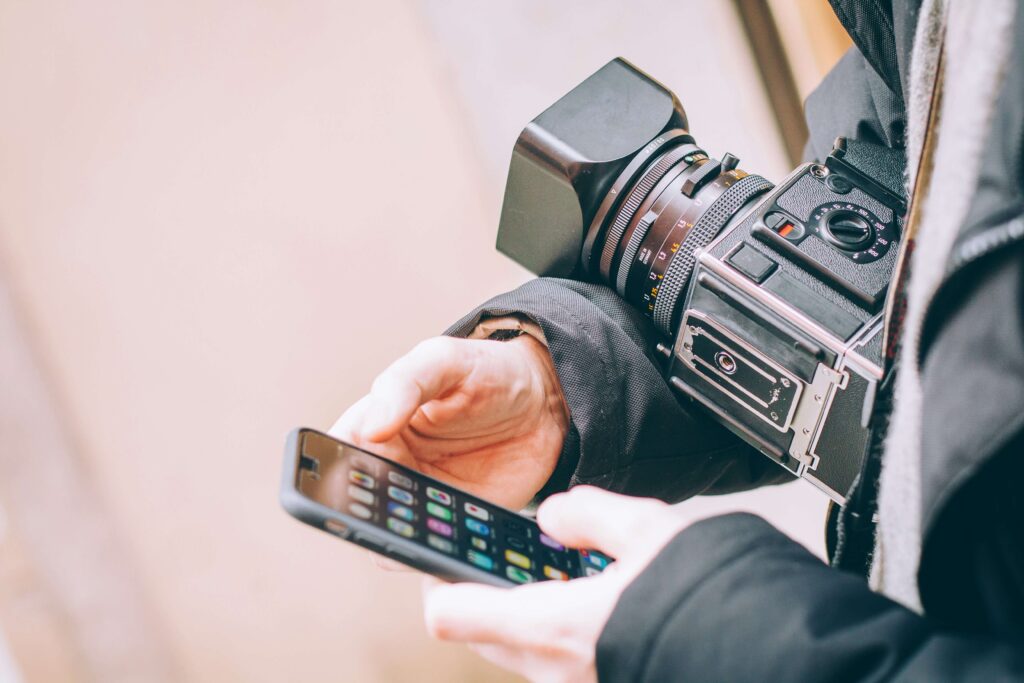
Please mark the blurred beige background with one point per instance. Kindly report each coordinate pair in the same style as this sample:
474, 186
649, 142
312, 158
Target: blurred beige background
220, 219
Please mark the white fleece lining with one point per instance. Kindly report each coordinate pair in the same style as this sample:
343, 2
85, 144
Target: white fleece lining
977, 44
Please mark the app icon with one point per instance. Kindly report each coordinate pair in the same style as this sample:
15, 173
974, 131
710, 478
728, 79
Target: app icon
551, 543
556, 574
439, 496
401, 495
591, 571
518, 575
516, 542
401, 528
477, 511
518, 559
400, 511
478, 527
400, 479
364, 480
361, 495
439, 527
480, 560
478, 543
595, 558
438, 511
442, 544
360, 511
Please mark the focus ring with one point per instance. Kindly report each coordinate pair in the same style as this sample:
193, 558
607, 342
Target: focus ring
706, 229
634, 244
636, 197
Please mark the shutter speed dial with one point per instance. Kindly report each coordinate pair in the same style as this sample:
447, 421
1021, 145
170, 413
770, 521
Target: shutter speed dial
853, 231
848, 230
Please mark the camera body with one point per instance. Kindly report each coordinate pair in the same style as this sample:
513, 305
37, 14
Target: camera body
781, 329
769, 298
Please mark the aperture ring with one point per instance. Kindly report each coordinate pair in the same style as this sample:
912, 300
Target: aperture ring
631, 248
706, 229
637, 194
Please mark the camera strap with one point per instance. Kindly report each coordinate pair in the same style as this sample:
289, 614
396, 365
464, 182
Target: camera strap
855, 539
896, 302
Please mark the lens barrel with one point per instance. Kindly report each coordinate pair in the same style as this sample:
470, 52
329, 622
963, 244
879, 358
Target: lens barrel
667, 210
608, 185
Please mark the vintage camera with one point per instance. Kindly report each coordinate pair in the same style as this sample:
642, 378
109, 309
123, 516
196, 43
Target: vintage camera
770, 298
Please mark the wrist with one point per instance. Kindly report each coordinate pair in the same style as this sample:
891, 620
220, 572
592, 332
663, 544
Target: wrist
543, 370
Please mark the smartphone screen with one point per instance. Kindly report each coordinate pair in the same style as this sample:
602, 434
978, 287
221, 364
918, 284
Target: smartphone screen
418, 519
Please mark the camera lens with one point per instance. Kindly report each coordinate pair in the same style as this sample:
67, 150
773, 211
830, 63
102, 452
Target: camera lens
658, 213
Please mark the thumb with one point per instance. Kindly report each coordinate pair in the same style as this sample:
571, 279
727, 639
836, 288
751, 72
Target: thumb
429, 371
589, 517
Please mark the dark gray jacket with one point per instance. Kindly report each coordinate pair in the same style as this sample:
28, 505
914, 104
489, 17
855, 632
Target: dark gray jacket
732, 599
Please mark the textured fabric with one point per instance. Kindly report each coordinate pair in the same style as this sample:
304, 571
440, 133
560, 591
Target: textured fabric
629, 431
977, 46
732, 599
871, 113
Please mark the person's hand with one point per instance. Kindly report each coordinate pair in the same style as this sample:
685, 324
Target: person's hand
548, 631
485, 416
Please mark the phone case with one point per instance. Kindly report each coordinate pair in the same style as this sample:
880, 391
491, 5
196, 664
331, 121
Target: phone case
367, 535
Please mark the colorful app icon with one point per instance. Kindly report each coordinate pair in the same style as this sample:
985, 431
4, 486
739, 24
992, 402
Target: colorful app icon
360, 494
438, 511
439, 527
556, 574
516, 542
439, 496
594, 558
360, 510
400, 479
551, 543
401, 528
401, 495
518, 575
442, 544
518, 559
400, 511
477, 527
477, 511
361, 478
480, 560
591, 571
478, 543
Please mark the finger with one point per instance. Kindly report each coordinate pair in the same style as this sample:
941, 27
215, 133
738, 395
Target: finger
348, 427
589, 517
470, 612
427, 372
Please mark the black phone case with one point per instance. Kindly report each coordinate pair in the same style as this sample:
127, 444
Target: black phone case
360, 532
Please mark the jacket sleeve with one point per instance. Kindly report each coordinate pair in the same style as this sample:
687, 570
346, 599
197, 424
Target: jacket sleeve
854, 102
629, 433
732, 599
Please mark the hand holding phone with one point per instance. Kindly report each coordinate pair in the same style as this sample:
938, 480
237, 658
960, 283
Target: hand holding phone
488, 415
424, 523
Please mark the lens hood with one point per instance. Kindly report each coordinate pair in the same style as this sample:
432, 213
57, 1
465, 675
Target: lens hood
566, 161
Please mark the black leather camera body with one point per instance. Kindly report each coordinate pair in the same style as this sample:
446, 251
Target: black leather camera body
769, 297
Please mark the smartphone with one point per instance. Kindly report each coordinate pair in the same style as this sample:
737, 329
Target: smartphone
418, 520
